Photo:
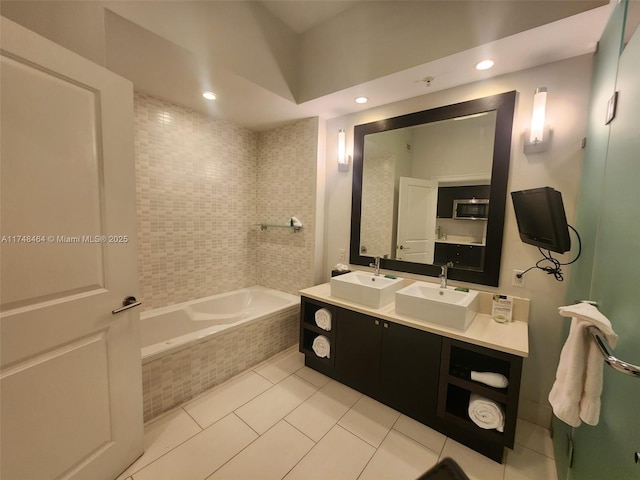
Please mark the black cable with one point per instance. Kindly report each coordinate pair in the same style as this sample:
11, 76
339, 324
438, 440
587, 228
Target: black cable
555, 267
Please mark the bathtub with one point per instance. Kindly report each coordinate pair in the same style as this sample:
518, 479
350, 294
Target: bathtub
192, 346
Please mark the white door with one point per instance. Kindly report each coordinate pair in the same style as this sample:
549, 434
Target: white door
70, 370
417, 204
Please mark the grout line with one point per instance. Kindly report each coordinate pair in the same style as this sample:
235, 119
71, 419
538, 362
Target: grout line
376, 451
537, 451
242, 420
173, 448
192, 418
241, 450
285, 420
416, 441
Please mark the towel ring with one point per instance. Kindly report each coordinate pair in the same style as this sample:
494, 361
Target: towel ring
605, 349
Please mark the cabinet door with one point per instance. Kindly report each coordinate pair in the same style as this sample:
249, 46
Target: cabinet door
358, 340
470, 256
409, 370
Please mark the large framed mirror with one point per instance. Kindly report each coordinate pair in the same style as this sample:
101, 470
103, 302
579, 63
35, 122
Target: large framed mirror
430, 188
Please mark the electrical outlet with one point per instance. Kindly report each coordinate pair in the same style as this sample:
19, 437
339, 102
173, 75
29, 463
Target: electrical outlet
517, 281
342, 254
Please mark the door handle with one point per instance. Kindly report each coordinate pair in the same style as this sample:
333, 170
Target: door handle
127, 303
404, 248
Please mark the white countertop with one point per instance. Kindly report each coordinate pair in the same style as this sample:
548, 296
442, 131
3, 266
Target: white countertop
455, 242
484, 331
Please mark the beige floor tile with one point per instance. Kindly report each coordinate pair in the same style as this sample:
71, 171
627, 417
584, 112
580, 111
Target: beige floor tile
320, 412
313, 377
273, 405
475, 465
525, 464
163, 435
270, 457
399, 458
428, 437
370, 420
281, 366
535, 437
226, 398
202, 454
340, 455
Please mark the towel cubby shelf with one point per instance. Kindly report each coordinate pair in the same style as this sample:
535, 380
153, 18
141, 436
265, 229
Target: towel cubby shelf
499, 395
456, 387
309, 331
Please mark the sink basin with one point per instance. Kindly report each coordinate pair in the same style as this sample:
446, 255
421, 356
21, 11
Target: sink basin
365, 288
444, 306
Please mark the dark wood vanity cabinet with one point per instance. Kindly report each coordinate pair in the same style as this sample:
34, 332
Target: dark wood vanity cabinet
421, 374
358, 356
409, 370
395, 364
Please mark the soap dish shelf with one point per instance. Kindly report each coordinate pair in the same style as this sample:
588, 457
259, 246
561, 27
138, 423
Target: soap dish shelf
265, 226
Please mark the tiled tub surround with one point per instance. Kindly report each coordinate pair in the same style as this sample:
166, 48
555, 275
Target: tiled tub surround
287, 172
183, 372
196, 184
202, 185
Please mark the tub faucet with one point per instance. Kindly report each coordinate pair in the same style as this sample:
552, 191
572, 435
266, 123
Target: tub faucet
376, 265
443, 274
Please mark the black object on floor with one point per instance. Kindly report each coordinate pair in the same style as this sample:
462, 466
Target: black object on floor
447, 469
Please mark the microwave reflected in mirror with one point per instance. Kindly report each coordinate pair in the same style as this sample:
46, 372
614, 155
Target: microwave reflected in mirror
417, 179
407, 173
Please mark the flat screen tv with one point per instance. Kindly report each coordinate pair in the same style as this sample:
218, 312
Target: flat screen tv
541, 218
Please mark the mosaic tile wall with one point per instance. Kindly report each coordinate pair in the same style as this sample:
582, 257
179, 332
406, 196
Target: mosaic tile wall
376, 232
196, 203
180, 376
287, 166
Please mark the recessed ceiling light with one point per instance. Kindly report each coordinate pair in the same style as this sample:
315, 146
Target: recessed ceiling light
209, 95
484, 64
362, 100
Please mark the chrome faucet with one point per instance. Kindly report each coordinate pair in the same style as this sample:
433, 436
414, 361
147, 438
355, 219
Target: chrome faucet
443, 274
376, 265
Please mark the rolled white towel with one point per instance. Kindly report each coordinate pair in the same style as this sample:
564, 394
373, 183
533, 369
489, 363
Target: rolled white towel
492, 379
323, 319
322, 347
486, 413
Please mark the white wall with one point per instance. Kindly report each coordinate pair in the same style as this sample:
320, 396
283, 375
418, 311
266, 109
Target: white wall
455, 148
568, 83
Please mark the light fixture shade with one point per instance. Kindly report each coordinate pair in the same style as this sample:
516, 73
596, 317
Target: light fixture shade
538, 136
538, 116
343, 159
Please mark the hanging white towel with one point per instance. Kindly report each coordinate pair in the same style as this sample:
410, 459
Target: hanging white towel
575, 394
322, 347
486, 413
323, 319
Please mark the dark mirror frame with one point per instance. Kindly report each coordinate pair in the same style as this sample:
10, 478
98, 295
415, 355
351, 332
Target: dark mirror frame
504, 105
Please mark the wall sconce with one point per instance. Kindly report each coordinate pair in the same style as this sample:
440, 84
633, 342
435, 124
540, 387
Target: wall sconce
343, 158
537, 138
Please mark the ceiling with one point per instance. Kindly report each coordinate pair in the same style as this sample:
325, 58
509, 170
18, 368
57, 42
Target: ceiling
302, 16
273, 61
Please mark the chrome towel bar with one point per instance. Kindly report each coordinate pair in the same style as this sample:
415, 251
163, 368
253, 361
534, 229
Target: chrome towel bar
607, 353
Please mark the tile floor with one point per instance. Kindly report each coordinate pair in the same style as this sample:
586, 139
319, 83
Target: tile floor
282, 420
